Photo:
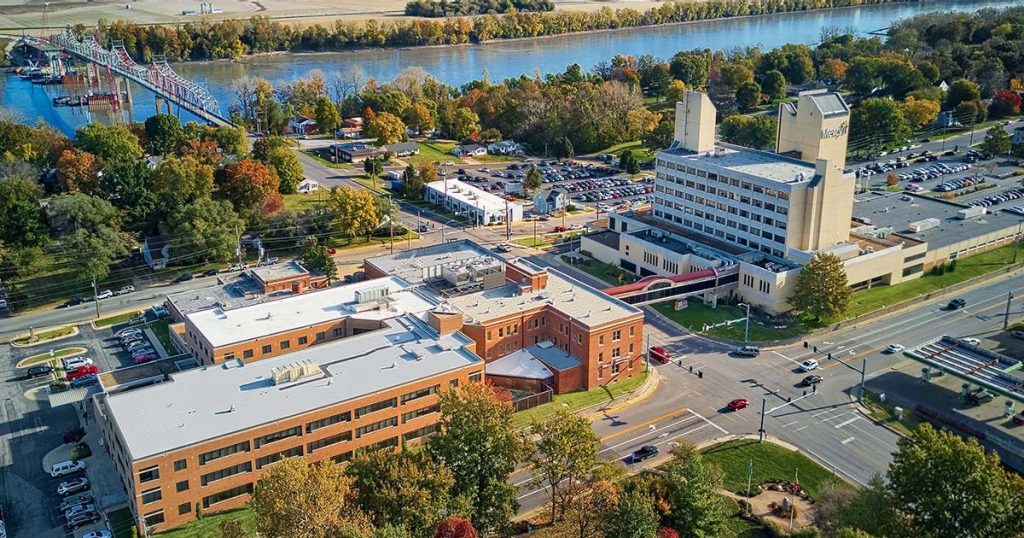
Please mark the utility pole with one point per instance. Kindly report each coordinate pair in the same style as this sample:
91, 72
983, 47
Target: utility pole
1006, 317
95, 299
535, 231
760, 431
647, 362
863, 369
746, 321
391, 222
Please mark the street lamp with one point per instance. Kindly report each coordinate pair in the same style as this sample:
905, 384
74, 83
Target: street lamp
746, 323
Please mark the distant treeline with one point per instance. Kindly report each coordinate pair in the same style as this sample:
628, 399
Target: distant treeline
235, 38
458, 8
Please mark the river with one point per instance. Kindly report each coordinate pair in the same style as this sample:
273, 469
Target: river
459, 64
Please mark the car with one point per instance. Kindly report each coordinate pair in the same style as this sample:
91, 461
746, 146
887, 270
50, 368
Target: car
128, 332
97, 534
75, 510
660, 354
129, 340
184, 277
143, 351
142, 359
808, 365
137, 344
66, 467
82, 519
76, 500
237, 267
81, 372
70, 487
40, 370
105, 294
1018, 418
737, 404
747, 351
811, 380
644, 453
74, 301
85, 381
956, 304
211, 272
893, 348
971, 341
575, 226
503, 247
979, 397
74, 362
1017, 334
125, 290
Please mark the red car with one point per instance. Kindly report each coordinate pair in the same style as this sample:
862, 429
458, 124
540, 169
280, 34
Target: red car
332, 251
737, 404
82, 371
559, 229
660, 354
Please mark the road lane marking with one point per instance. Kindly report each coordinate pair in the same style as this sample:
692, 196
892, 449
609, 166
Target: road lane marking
687, 432
847, 440
641, 436
787, 358
643, 425
716, 426
833, 417
841, 424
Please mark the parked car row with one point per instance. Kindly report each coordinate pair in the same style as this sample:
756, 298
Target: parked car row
933, 172
958, 184
1005, 196
135, 342
77, 508
80, 371
615, 193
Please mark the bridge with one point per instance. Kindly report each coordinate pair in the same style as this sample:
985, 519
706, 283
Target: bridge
659, 289
157, 77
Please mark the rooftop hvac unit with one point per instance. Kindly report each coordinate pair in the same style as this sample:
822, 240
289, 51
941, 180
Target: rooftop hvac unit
294, 371
375, 293
925, 224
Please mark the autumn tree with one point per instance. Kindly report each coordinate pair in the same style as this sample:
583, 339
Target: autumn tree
566, 453
641, 121
455, 527
821, 287
203, 230
314, 256
661, 137
231, 529
164, 133
296, 498
479, 443
419, 118
77, 171
252, 188
675, 91
693, 486
181, 181
586, 511
265, 145
328, 118
920, 112
355, 211
109, 142
833, 70
387, 128
460, 123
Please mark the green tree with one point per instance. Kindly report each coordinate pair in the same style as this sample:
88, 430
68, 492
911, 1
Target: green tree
177, 182
265, 145
880, 120
21, 219
480, 445
354, 211
71, 212
693, 486
951, 487
164, 133
774, 85
691, 67
296, 498
566, 453
735, 75
748, 95
562, 148
533, 182
756, 132
129, 185
628, 162
328, 118
204, 230
412, 183
387, 128
661, 137
288, 168
633, 517
93, 252
997, 140
821, 287
232, 140
962, 90
315, 257
109, 142
461, 123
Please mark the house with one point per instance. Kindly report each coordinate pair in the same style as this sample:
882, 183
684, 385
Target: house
550, 202
355, 152
506, 147
943, 86
307, 186
352, 128
301, 125
403, 149
156, 250
469, 150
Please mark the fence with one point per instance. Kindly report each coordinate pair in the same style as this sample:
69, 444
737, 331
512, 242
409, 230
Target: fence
533, 400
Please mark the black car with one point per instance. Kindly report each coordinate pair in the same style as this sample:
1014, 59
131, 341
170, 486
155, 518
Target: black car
811, 380
40, 370
82, 518
211, 272
74, 301
956, 304
184, 277
645, 452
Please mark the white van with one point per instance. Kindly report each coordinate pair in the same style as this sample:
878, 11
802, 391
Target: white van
66, 467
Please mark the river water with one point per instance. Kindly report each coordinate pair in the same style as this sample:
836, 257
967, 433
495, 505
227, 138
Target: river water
459, 64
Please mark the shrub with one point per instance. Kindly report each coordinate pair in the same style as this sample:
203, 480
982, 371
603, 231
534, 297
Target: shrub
74, 435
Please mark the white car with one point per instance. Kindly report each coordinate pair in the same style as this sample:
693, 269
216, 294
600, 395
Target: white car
66, 467
894, 348
972, 341
130, 331
808, 365
504, 247
98, 534
125, 290
75, 362
105, 294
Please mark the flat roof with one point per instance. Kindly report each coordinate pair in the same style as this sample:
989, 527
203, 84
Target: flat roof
230, 291
520, 363
471, 195
762, 164
278, 271
414, 265
889, 210
973, 364
829, 103
224, 327
553, 356
206, 403
701, 240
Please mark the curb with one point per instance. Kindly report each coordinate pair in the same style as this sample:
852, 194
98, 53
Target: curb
75, 332
111, 326
638, 395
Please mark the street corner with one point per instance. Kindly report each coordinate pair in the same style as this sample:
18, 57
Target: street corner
636, 397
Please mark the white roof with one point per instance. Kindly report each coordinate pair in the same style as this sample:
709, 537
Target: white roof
224, 327
760, 164
521, 363
470, 195
206, 403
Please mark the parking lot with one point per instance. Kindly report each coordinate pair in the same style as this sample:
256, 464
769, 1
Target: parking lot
970, 177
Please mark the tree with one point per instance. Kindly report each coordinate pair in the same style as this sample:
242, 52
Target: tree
628, 162
77, 171
232, 140
180, 181
833, 70
316, 258
412, 183
231, 529
997, 140
880, 120
296, 498
675, 91
735, 75
951, 487
480, 445
354, 211
387, 128
821, 287
773, 84
661, 137
419, 118
641, 121
697, 509
109, 142
691, 67
93, 252
962, 90
748, 95
633, 517
490, 135
328, 118
204, 230
1005, 103
533, 182
562, 148
265, 145
566, 453
756, 132
21, 222
78, 211
288, 168
406, 489
164, 133
252, 188
455, 527
920, 112
128, 184
592, 500
460, 123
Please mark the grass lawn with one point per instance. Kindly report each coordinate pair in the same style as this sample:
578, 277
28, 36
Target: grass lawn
303, 202
114, 320
697, 314
327, 162
606, 272
866, 301
736, 526
884, 412
575, 401
43, 336
642, 154
434, 151
46, 357
163, 334
530, 242
121, 523
771, 462
210, 524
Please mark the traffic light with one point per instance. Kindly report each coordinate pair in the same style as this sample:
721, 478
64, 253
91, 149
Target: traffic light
815, 349
829, 356
805, 344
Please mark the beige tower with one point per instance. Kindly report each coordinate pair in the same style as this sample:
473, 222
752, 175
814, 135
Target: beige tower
817, 127
695, 123
819, 215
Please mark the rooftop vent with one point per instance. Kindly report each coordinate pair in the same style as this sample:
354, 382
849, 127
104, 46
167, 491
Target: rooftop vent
294, 371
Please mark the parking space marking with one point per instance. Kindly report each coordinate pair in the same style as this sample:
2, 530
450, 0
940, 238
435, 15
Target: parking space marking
847, 440
790, 424
801, 428
716, 426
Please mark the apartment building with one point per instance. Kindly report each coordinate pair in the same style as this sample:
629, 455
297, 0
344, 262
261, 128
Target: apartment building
200, 439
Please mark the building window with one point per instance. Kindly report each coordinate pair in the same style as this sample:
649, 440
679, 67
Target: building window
285, 344
387, 443
148, 475
324, 422
328, 441
277, 436
631, 349
238, 491
247, 354
375, 426
632, 330
266, 348
181, 486
229, 356
222, 452
616, 352
616, 336
454, 383
180, 465
321, 336
616, 367
184, 508
339, 332
421, 432
422, 393
501, 332
600, 372
377, 406
278, 456
406, 417
303, 340
475, 377
224, 473
600, 356
154, 518
151, 496
343, 457
600, 340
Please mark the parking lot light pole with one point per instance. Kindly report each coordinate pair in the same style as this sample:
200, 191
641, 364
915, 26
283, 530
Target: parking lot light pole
760, 431
746, 323
95, 297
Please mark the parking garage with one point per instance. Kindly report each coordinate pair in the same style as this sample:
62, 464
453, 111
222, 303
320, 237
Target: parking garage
973, 364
